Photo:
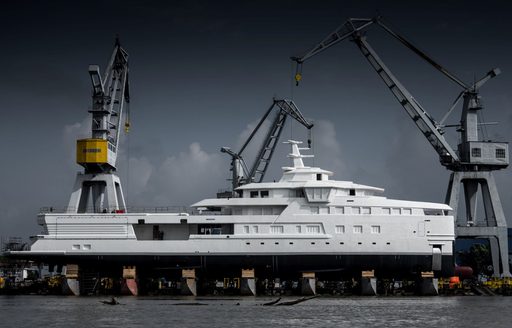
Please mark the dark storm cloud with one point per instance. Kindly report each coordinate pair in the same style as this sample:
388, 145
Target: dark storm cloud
201, 71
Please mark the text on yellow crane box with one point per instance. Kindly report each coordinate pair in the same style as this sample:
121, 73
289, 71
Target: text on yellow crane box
91, 151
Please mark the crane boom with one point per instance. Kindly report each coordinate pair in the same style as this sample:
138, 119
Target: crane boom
430, 129
428, 126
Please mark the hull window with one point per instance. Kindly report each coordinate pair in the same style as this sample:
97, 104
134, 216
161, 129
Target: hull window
340, 229
276, 229
313, 229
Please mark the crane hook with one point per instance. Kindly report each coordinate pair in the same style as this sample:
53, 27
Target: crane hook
298, 73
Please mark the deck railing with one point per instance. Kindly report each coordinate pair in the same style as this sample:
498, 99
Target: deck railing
131, 209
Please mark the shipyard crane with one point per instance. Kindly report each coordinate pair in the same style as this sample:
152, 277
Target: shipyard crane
473, 162
98, 188
241, 173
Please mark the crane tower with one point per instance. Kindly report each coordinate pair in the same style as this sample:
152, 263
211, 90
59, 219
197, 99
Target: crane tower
474, 160
98, 188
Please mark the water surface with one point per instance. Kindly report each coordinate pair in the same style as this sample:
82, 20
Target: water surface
82, 312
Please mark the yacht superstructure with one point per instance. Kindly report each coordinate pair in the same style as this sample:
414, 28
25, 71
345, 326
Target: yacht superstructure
303, 222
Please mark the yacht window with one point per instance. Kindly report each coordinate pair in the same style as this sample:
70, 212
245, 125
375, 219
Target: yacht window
406, 211
365, 210
254, 194
395, 211
267, 210
215, 229
432, 211
386, 210
246, 229
375, 229
356, 210
276, 229
324, 210
299, 193
314, 209
264, 193
256, 210
340, 229
500, 153
317, 193
352, 192
319, 177
298, 229
255, 229
313, 229
340, 210
237, 211
476, 152
157, 234
358, 229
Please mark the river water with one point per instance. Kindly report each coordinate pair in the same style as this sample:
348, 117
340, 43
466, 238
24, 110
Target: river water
78, 312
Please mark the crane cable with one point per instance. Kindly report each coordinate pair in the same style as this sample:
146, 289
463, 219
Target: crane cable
127, 126
297, 77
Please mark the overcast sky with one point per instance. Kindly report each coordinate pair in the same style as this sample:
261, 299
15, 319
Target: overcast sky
203, 73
